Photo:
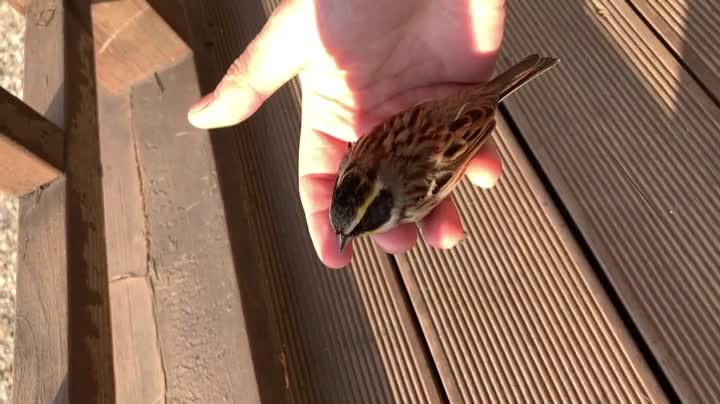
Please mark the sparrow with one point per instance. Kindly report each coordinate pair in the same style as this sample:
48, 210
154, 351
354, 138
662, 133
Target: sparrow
405, 166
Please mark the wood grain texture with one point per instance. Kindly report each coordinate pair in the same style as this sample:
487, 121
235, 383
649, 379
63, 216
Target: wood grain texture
692, 30
515, 313
91, 351
31, 147
31, 130
41, 359
124, 52
629, 141
138, 369
41, 326
45, 41
139, 375
21, 171
202, 329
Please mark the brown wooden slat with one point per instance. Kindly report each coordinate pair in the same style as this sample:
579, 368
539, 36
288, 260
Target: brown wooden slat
692, 29
629, 141
31, 147
31, 130
124, 52
41, 328
91, 351
21, 171
138, 365
515, 313
334, 336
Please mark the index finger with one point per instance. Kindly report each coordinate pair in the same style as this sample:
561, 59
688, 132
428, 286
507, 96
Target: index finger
319, 158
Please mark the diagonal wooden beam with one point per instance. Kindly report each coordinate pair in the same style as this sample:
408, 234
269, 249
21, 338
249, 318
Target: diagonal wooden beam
31, 147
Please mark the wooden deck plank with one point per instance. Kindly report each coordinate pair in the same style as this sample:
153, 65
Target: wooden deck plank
515, 313
41, 359
692, 30
138, 365
31, 147
201, 326
339, 336
629, 141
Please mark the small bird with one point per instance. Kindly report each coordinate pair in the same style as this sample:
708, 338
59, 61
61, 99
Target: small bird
404, 167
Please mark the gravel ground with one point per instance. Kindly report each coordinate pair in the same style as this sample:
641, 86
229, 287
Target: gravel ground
12, 31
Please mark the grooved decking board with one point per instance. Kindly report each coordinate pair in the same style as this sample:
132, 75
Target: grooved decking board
515, 313
337, 336
692, 29
629, 142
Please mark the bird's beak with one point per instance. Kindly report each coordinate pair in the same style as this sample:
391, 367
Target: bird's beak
342, 240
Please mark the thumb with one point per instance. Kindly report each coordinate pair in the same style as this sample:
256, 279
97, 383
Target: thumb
274, 56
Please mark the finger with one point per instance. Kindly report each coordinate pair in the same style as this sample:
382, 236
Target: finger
274, 56
397, 240
442, 228
326, 243
318, 163
315, 196
485, 167
316, 192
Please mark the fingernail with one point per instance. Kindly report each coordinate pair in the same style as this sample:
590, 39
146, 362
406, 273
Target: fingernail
202, 103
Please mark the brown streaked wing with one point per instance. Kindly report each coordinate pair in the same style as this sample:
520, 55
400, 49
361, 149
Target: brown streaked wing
464, 143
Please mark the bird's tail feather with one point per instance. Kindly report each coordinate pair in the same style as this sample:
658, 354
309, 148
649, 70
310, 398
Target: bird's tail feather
521, 73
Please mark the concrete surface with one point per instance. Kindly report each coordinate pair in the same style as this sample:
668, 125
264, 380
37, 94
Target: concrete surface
12, 30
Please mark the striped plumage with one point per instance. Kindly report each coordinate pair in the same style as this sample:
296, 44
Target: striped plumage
404, 167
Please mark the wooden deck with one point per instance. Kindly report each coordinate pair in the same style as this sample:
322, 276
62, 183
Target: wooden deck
171, 264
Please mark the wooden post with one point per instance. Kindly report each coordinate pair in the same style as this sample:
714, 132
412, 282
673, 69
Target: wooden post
92, 377
64, 352
41, 331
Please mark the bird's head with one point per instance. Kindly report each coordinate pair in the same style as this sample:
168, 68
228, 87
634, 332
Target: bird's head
361, 204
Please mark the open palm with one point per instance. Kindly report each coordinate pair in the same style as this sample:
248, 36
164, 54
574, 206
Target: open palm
360, 61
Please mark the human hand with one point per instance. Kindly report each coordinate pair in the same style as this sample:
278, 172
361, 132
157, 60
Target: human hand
360, 61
